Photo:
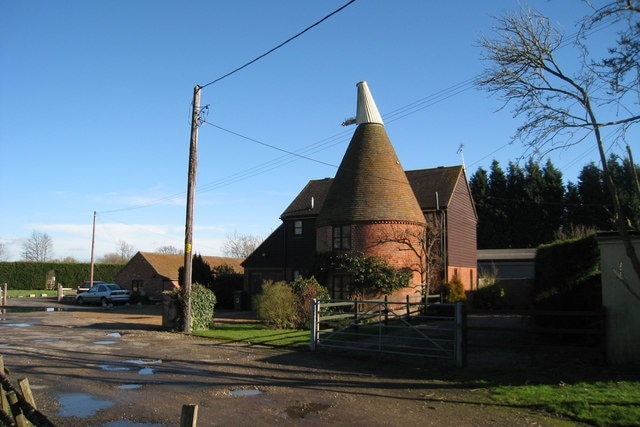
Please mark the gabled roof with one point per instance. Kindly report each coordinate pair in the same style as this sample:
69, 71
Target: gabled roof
370, 184
309, 201
168, 265
425, 183
270, 252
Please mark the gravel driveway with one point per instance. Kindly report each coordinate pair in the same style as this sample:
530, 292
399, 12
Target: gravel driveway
92, 366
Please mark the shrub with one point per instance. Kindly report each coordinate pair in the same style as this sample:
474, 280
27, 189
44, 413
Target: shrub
453, 291
305, 290
202, 307
203, 303
489, 296
277, 305
372, 276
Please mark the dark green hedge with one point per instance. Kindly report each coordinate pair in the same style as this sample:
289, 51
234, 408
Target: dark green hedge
33, 275
568, 275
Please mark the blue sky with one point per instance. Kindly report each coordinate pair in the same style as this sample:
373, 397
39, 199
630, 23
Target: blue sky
95, 108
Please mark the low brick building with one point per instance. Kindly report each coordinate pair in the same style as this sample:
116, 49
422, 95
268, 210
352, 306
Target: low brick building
149, 274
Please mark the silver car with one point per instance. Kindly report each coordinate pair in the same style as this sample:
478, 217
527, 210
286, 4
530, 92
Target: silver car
104, 294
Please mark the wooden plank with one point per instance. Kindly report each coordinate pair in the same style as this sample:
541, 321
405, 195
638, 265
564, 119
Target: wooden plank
189, 415
25, 388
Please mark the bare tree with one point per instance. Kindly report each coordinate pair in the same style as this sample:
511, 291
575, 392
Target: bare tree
123, 254
112, 258
4, 252
425, 244
169, 249
560, 109
241, 245
38, 247
125, 250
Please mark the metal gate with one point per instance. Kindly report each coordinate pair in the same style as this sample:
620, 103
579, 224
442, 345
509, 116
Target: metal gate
396, 327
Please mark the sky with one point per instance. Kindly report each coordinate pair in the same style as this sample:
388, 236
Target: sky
95, 105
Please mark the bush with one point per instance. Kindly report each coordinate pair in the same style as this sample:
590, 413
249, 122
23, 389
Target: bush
489, 297
277, 305
371, 275
454, 291
305, 290
202, 307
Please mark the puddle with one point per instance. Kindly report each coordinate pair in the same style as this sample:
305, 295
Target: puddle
80, 405
113, 368
126, 423
18, 325
30, 309
114, 335
144, 362
129, 387
104, 342
145, 371
243, 392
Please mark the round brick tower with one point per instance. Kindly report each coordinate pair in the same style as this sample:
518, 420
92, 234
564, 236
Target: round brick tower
370, 207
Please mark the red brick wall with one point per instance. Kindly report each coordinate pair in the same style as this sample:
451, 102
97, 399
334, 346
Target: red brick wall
381, 240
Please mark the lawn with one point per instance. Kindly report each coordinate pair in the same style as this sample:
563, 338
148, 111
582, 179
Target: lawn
256, 333
596, 400
602, 403
21, 293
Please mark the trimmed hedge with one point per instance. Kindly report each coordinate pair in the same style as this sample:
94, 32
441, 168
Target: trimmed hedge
203, 303
33, 275
568, 275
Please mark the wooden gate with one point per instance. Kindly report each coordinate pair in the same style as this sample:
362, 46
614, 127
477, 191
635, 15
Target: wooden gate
396, 327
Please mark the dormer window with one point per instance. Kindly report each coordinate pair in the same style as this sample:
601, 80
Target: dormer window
342, 237
297, 227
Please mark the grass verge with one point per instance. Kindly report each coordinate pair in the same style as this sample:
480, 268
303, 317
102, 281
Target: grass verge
255, 333
21, 293
602, 403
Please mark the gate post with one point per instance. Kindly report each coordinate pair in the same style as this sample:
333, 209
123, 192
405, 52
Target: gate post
314, 324
460, 331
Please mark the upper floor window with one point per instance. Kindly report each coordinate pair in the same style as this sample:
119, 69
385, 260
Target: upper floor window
342, 237
297, 228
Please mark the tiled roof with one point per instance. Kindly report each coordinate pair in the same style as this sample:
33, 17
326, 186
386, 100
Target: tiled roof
309, 201
427, 182
370, 184
168, 265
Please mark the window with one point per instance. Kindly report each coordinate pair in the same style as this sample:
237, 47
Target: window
340, 287
136, 286
342, 237
297, 228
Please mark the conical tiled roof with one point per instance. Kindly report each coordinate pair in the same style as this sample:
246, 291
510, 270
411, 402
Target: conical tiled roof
370, 184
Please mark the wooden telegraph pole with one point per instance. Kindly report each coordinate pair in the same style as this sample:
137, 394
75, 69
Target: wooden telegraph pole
93, 245
191, 185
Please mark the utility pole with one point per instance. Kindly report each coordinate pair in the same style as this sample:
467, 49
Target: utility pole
191, 185
93, 245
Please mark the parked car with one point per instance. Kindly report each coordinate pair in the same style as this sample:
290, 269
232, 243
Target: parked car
104, 294
85, 286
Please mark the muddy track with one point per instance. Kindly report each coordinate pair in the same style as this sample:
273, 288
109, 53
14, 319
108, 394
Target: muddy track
116, 367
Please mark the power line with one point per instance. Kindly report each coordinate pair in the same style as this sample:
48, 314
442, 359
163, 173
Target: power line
278, 46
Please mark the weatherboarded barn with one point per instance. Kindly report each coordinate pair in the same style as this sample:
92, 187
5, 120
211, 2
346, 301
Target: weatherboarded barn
148, 274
